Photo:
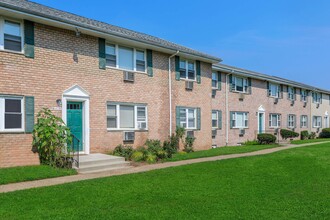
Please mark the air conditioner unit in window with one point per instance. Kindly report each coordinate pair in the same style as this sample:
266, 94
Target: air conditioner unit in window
317, 130
241, 132
305, 104
128, 76
129, 136
276, 131
190, 134
275, 100
189, 85
214, 92
142, 125
214, 133
318, 105
292, 102
241, 96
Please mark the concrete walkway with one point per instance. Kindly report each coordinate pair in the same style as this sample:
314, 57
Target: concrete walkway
139, 169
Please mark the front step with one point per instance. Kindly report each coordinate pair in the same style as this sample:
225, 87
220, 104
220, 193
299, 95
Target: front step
94, 163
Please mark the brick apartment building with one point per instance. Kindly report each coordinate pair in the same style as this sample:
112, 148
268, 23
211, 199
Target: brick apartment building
110, 84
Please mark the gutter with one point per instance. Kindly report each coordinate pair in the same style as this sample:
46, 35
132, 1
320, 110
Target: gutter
227, 109
170, 87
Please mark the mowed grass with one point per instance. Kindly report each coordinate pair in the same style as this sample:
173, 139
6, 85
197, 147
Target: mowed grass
291, 184
220, 151
28, 173
308, 141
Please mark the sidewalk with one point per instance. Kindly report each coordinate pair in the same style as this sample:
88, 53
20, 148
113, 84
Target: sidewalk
130, 170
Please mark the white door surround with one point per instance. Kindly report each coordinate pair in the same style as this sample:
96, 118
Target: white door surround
78, 94
261, 114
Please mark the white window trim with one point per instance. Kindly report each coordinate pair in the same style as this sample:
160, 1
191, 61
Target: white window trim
187, 119
291, 119
278, 90
304, 95
186, 66
245, 84
315, 121
318, 97
304, 120
291, 93
135, 117
217, 119
278, 120
217, 80
134, 58
2, 37
2, 115
245, 118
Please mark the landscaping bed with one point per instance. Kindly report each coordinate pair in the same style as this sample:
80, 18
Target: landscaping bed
308, 141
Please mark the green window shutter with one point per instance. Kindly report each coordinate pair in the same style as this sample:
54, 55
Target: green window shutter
287, 121
219, 80
231, 119
28, 39
249, 86
295, 121
230, 82
149, 64
102, 60
198, 118
177, 68
198, 71
321, 99
268, 88
295, 93
220, 119
29, 114
307, 124
301, 121
177, 115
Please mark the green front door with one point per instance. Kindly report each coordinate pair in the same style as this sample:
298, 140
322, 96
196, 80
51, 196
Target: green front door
75, 122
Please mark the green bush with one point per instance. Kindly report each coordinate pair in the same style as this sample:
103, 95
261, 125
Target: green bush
50, 139
285, 134
312, 135
155, 147
150, 158
304, 135
249, 143
325, 133
188, 144
266, 138
123, 151
137, 156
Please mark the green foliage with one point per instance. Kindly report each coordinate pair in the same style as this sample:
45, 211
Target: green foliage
249, 143
123, 151
179, 132
304, 135
188, 144
285, 134
325, 133
266, 138
150, 158
137, 156
51, 138
312, 135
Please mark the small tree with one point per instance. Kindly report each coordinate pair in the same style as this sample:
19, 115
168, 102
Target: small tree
51, 138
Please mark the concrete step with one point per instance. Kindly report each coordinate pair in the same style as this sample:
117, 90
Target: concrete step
106, 170
102, 166
89, 162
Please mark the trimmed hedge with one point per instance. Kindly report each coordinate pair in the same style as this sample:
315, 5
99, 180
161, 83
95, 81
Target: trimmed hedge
285, 134
304, 135
325, 133
266, 138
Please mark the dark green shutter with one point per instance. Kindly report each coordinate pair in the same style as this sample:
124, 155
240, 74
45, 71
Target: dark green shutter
102, 60
307, 124
28, 39
281, 92
149, 64
321, 98
249, 86
198, 71
268, 88
219, 80
230, 82
198, 119
295, 93
287, 121
231, 120
177, 115
301, 121
220, 119
295, 121
29, 114
177, 68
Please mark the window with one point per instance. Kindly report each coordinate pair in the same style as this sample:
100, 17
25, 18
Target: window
291, 121
303, 95
11, 114
126, 117
125, 58
214, 119
188, 118
215, 77
11, 35
274, 90
304, 120
239, 119
239, 84
291, 93
187, 69
317, 97
317, 121
274, 120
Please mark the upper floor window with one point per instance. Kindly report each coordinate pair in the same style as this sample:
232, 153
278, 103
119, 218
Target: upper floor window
304, 95
11, 35
125, 58
317, 97
291, 121
215, 79
11, 114
188, 118
291, 93
239, 119
317, 121
240, 84
126, 116
274, 90
274, 120
187, 69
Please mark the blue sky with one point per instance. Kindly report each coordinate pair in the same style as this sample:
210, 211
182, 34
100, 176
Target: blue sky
285, 38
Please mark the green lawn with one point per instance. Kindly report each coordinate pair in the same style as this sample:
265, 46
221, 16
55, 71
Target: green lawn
310, 141
220, 151
21, 174
291, 184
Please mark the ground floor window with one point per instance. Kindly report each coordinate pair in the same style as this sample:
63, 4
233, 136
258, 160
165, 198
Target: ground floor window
239, 119
125, 116
303, 122
11, 114
274, 120
188, 118
291, 121
317, 121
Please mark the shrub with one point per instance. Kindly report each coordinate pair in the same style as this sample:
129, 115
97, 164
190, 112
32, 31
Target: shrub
150, 158
248, 143
169, 148
266, 138
285, 134
325, 133
312, 135
123, 151
50, 139
137, 156
154, 146
188, 144
304, 135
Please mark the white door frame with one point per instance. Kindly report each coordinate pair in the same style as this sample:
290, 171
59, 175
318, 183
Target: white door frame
261, 110
78, 94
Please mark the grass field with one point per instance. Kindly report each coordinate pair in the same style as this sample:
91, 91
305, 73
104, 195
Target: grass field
308, 141
28, 173
291, 184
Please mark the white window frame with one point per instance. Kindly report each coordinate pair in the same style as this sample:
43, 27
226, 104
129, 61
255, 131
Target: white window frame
2, 115
278, 120
187, 119
245, 119
135, 116
217, 80
291, 121
318, 98
186, 66
134, 57
2, 34
245, 84
304, 95
304, 120
217, 118
317, 123
278, 90
291, 93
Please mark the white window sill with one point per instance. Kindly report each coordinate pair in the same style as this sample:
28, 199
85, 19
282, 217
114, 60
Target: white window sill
132, 71
214, 88
274, 97
11, 51
240, 127
234, 91
189, 80
274, 127
122, 130
11, 131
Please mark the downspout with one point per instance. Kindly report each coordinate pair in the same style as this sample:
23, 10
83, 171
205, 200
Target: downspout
170, 87
227, 110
